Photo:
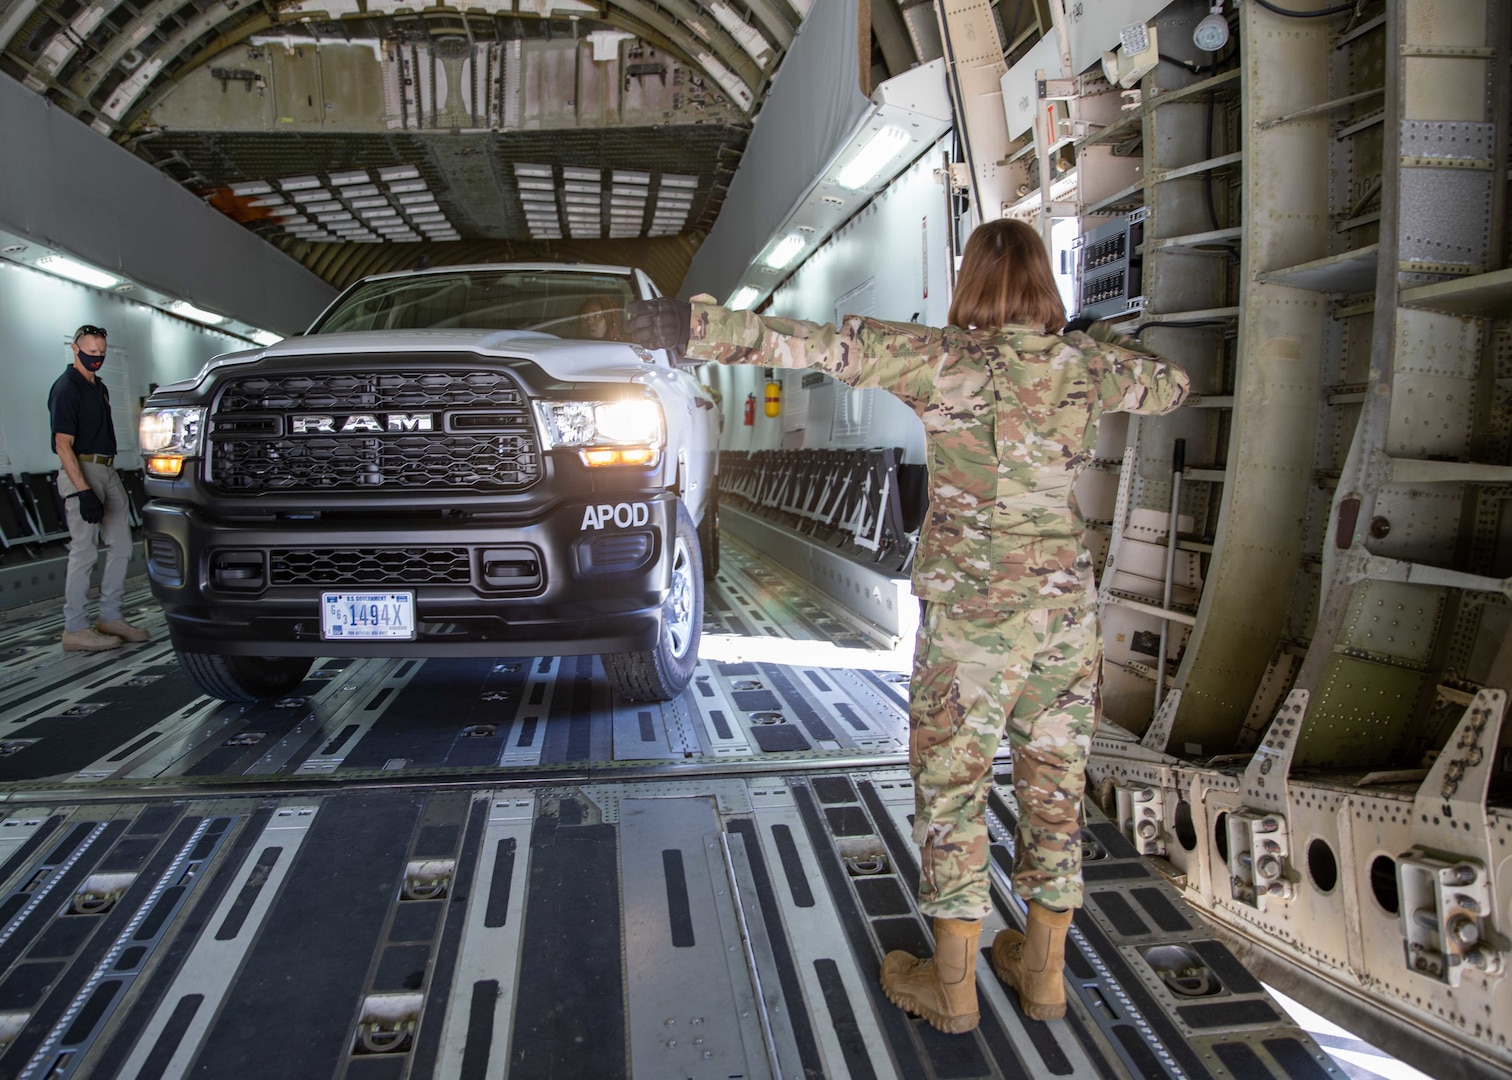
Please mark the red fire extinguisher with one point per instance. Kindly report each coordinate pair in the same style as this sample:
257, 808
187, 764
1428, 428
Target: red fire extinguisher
750, 410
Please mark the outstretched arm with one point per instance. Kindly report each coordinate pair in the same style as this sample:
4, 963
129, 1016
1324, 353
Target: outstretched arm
1129, 378
861, 352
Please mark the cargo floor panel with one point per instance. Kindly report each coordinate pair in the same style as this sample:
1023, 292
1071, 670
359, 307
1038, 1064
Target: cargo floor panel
695, 928
808, 687
470, 868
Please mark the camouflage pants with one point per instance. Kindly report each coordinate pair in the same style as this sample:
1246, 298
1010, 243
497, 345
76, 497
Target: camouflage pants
1034, 673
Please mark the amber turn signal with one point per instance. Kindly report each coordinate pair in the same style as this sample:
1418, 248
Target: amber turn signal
635, 455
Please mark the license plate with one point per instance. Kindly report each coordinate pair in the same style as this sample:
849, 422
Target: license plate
367, 616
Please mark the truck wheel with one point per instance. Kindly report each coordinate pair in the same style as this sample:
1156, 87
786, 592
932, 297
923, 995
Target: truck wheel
660, 674
708, 533
245, 678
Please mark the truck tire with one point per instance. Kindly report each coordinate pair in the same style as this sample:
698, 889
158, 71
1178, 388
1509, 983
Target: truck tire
660, 674
245, 678
708, 533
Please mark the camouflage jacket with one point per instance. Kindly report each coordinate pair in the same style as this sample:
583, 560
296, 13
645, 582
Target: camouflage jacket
1009, 415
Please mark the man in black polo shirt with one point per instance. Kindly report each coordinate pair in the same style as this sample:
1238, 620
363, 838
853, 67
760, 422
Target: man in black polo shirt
83, 437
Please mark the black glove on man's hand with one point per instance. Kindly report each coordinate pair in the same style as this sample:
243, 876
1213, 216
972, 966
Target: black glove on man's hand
661, 323
91, 509
1081, 322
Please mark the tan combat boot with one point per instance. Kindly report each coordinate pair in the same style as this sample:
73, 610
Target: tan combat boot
122, 629
1035, 966
88, 640
943, 989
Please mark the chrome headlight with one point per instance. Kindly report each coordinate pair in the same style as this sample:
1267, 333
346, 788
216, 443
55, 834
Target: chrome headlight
626, 432
170, 435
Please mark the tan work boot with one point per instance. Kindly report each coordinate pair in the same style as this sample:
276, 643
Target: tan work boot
122, 629
88, 640
943, 989
1035, 966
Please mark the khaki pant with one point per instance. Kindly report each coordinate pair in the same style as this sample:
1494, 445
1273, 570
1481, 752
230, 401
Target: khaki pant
84, 542
1031, 674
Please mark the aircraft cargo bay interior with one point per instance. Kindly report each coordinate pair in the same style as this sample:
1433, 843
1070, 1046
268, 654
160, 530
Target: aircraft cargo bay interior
513, 515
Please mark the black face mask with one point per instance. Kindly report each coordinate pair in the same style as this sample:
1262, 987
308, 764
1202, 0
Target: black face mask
91, 363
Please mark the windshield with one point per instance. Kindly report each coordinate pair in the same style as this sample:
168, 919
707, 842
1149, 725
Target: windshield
570, 304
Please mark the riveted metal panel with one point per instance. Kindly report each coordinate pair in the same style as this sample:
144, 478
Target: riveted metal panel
1423, 522
1433, 392
1363, 708
1394, 621
1448, 140
1445, 218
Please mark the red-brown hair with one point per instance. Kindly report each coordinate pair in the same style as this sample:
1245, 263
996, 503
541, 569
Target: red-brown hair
1006, 278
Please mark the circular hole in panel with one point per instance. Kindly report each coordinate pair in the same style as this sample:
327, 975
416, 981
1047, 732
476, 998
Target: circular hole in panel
1220, 836
1186, 832
1383, 882
1322, 865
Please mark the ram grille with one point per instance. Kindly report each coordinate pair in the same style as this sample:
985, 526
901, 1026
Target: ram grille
421, 431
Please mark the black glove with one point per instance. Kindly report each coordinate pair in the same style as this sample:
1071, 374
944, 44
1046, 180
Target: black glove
1081, 322
661, 323
91, 509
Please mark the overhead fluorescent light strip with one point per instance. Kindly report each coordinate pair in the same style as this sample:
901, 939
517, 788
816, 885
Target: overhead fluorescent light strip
786, 250
398, 172
743, 298
77, 271
299, 183
344, 179
877, 152
251, 187
189, 311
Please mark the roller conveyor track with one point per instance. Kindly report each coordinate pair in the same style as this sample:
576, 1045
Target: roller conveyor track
471, 868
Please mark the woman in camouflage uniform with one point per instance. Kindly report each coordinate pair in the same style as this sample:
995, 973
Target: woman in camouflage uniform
1008, 638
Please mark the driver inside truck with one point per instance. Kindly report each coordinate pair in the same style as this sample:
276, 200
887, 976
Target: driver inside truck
599, 318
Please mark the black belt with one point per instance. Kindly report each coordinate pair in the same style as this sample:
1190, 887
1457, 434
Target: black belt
97, 459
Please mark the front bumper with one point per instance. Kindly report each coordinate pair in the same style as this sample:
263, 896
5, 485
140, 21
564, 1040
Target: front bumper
580, 578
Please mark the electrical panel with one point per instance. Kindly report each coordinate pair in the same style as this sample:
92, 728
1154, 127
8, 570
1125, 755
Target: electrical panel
1108, 267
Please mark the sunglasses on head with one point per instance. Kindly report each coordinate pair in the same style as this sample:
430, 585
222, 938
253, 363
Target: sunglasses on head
89, 331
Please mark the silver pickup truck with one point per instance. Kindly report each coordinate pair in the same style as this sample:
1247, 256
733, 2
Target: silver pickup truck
451, 462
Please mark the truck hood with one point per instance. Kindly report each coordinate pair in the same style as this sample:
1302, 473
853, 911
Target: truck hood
569, 360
